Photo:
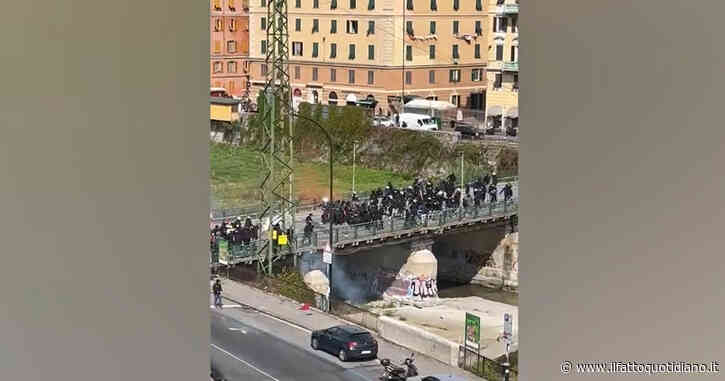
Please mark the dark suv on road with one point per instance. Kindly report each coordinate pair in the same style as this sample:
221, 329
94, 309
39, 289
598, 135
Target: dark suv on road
468, 132
346, 341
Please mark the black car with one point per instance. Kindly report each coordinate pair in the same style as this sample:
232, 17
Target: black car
467, 132
346, 341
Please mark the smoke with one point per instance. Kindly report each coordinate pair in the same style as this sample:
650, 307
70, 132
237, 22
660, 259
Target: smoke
343, 286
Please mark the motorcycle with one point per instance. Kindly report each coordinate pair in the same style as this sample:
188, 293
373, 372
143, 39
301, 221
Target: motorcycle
394, 372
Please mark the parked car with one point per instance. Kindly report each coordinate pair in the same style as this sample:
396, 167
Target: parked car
468, 132
383, 121
346, 341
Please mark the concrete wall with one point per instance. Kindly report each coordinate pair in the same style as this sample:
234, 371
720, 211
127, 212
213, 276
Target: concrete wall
419, 340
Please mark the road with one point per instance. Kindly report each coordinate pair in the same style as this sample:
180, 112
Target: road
251, 345
246, 345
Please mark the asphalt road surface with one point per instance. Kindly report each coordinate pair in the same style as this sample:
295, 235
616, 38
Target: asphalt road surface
246, 345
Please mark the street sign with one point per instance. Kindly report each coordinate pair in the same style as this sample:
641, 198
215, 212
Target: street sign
507, 327
473, 331
327, 254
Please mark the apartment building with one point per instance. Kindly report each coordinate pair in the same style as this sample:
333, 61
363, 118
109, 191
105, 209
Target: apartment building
229, 45
502, 71
348, 50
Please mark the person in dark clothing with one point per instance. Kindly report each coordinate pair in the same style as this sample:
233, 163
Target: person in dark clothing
217, 288
492, 193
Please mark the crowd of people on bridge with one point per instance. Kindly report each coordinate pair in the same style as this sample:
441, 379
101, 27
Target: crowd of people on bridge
418, 199
410, 203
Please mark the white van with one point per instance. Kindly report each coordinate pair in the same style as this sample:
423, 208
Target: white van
419, 122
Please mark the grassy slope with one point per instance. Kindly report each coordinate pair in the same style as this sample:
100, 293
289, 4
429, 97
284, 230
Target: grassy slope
236, 173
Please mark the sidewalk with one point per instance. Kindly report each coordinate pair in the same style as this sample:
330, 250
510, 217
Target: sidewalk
288, 310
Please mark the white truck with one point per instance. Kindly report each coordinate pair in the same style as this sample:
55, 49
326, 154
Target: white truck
418, 122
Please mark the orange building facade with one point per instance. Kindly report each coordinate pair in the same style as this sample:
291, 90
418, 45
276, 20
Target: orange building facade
229, 46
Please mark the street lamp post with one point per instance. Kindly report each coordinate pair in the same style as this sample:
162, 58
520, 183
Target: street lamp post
354, 149
329, 142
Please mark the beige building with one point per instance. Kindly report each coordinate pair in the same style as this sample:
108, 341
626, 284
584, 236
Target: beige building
346, 50
502, 71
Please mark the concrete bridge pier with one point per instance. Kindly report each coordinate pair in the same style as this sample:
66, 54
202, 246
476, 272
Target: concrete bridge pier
416, 281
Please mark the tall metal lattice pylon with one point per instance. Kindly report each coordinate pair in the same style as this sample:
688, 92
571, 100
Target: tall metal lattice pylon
277, 154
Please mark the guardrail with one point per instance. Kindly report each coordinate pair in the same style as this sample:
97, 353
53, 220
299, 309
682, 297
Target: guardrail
345, 234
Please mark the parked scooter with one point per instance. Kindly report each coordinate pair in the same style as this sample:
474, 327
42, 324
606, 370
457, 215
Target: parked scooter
398, 373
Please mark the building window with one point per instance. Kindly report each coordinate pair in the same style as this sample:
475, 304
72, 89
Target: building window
500, 24
454, 75
456, 5
476, 75
298, 3
371, 27
263, 69
353, 4
514, 24
432, 52
499, 52
371, 52
333, 50
263, 2
455, 52
298, 25
371, 5
479, 5
218, 67
217, 47
218, 25
351, 52
408, 77
455, 27
456, 100
232, 6
333, 26
408, 53
477, 51
513, 54
479, 30
409, 5
316, 4
498, 81
352, 26
297, 48
264, 47
315, 49
333, 4
231, 67
432, 27
314, 74
433, 5
297, 72
232, 46
431, 76
263, 23
351, 76
232, 25
333, 75
315, 26
409, 27
516, 81
218, 5
371, 77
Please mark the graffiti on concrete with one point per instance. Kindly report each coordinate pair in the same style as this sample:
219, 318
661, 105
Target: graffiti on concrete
410, 287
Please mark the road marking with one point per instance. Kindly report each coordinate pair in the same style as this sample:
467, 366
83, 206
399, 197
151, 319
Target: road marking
238, 330
240, 360
286, 322
226, 306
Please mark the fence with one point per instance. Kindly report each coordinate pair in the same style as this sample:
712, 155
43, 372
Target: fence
489, 369
370, 230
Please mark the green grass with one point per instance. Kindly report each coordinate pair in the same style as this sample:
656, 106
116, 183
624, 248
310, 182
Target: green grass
236, 172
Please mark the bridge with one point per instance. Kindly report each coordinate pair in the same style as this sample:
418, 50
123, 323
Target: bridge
350, 239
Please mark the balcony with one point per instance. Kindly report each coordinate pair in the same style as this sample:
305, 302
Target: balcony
511, 9
511, 66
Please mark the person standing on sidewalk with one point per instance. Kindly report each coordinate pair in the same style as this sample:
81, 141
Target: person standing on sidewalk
217, 289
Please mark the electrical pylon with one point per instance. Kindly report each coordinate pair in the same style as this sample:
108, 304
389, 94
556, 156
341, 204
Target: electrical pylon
277, 188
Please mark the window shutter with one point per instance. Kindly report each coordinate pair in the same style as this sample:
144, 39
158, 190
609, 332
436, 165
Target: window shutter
217, 46
231, 4
218, 4
432, 27
371, 5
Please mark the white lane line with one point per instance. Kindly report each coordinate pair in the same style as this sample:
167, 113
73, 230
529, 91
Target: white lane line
238, 330
240, 360
226, 306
